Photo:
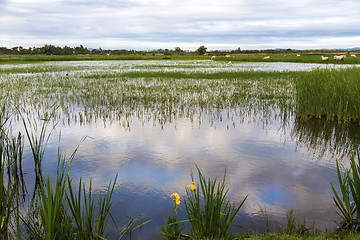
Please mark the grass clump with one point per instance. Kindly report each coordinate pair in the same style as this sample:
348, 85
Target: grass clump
207, 210
348, 203
329, 93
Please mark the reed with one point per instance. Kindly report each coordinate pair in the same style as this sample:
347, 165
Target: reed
7, 204
348, 203
209, 212
91, 220
11, 150
332, 94
38, 146
51, 207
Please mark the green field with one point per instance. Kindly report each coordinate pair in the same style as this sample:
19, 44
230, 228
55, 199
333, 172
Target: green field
259, 57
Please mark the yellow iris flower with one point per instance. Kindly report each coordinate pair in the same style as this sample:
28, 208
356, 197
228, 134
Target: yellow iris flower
176, 198
192, 186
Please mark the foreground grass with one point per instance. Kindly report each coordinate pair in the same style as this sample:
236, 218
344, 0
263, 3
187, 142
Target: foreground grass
271, 236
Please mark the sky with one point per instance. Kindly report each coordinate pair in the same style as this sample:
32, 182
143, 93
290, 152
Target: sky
188, 24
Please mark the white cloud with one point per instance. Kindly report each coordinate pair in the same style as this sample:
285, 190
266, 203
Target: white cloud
140, 24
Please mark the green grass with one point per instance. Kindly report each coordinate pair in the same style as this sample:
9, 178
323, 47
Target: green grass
16, 59
332, 94
206, 207
273, 236
304, 58
348, 202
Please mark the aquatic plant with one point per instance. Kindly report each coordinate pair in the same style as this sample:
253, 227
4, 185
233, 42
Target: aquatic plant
332, 94
172, 229
209, 212
348, 203
11, 150
91, 220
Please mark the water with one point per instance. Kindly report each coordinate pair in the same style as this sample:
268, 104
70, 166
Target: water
280, 165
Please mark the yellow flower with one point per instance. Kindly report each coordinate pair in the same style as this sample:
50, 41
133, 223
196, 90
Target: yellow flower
192, 186
176, 198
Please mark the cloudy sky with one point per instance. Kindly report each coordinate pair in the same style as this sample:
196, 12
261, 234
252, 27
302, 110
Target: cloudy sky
153, 24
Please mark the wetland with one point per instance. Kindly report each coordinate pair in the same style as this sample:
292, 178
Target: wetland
150, 122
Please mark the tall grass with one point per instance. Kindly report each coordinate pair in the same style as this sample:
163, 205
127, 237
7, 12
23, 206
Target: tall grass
348, 203
206, 207
7, 205
329, 93
90, 219
10, 160
38, 143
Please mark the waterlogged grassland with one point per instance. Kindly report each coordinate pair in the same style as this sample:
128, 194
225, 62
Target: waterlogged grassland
161, 91
124, 89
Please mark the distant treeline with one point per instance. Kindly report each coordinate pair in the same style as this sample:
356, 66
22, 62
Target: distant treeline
81, 50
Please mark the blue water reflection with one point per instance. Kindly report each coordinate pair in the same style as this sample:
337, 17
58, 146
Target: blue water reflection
152, 162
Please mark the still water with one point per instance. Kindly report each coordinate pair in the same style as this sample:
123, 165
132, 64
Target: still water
280, 165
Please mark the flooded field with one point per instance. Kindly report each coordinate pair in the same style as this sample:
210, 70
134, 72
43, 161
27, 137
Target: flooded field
150, 122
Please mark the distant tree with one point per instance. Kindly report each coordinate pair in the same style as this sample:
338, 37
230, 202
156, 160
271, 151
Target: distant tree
177, 50
68, 50
4, 50
82, 50
201, 50
167, 52
49, 49
238, 50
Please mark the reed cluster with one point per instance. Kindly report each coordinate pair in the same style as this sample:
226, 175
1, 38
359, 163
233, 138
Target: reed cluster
207, 210
332, 94
348, 202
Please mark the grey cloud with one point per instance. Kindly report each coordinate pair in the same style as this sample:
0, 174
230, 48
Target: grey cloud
162, 21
